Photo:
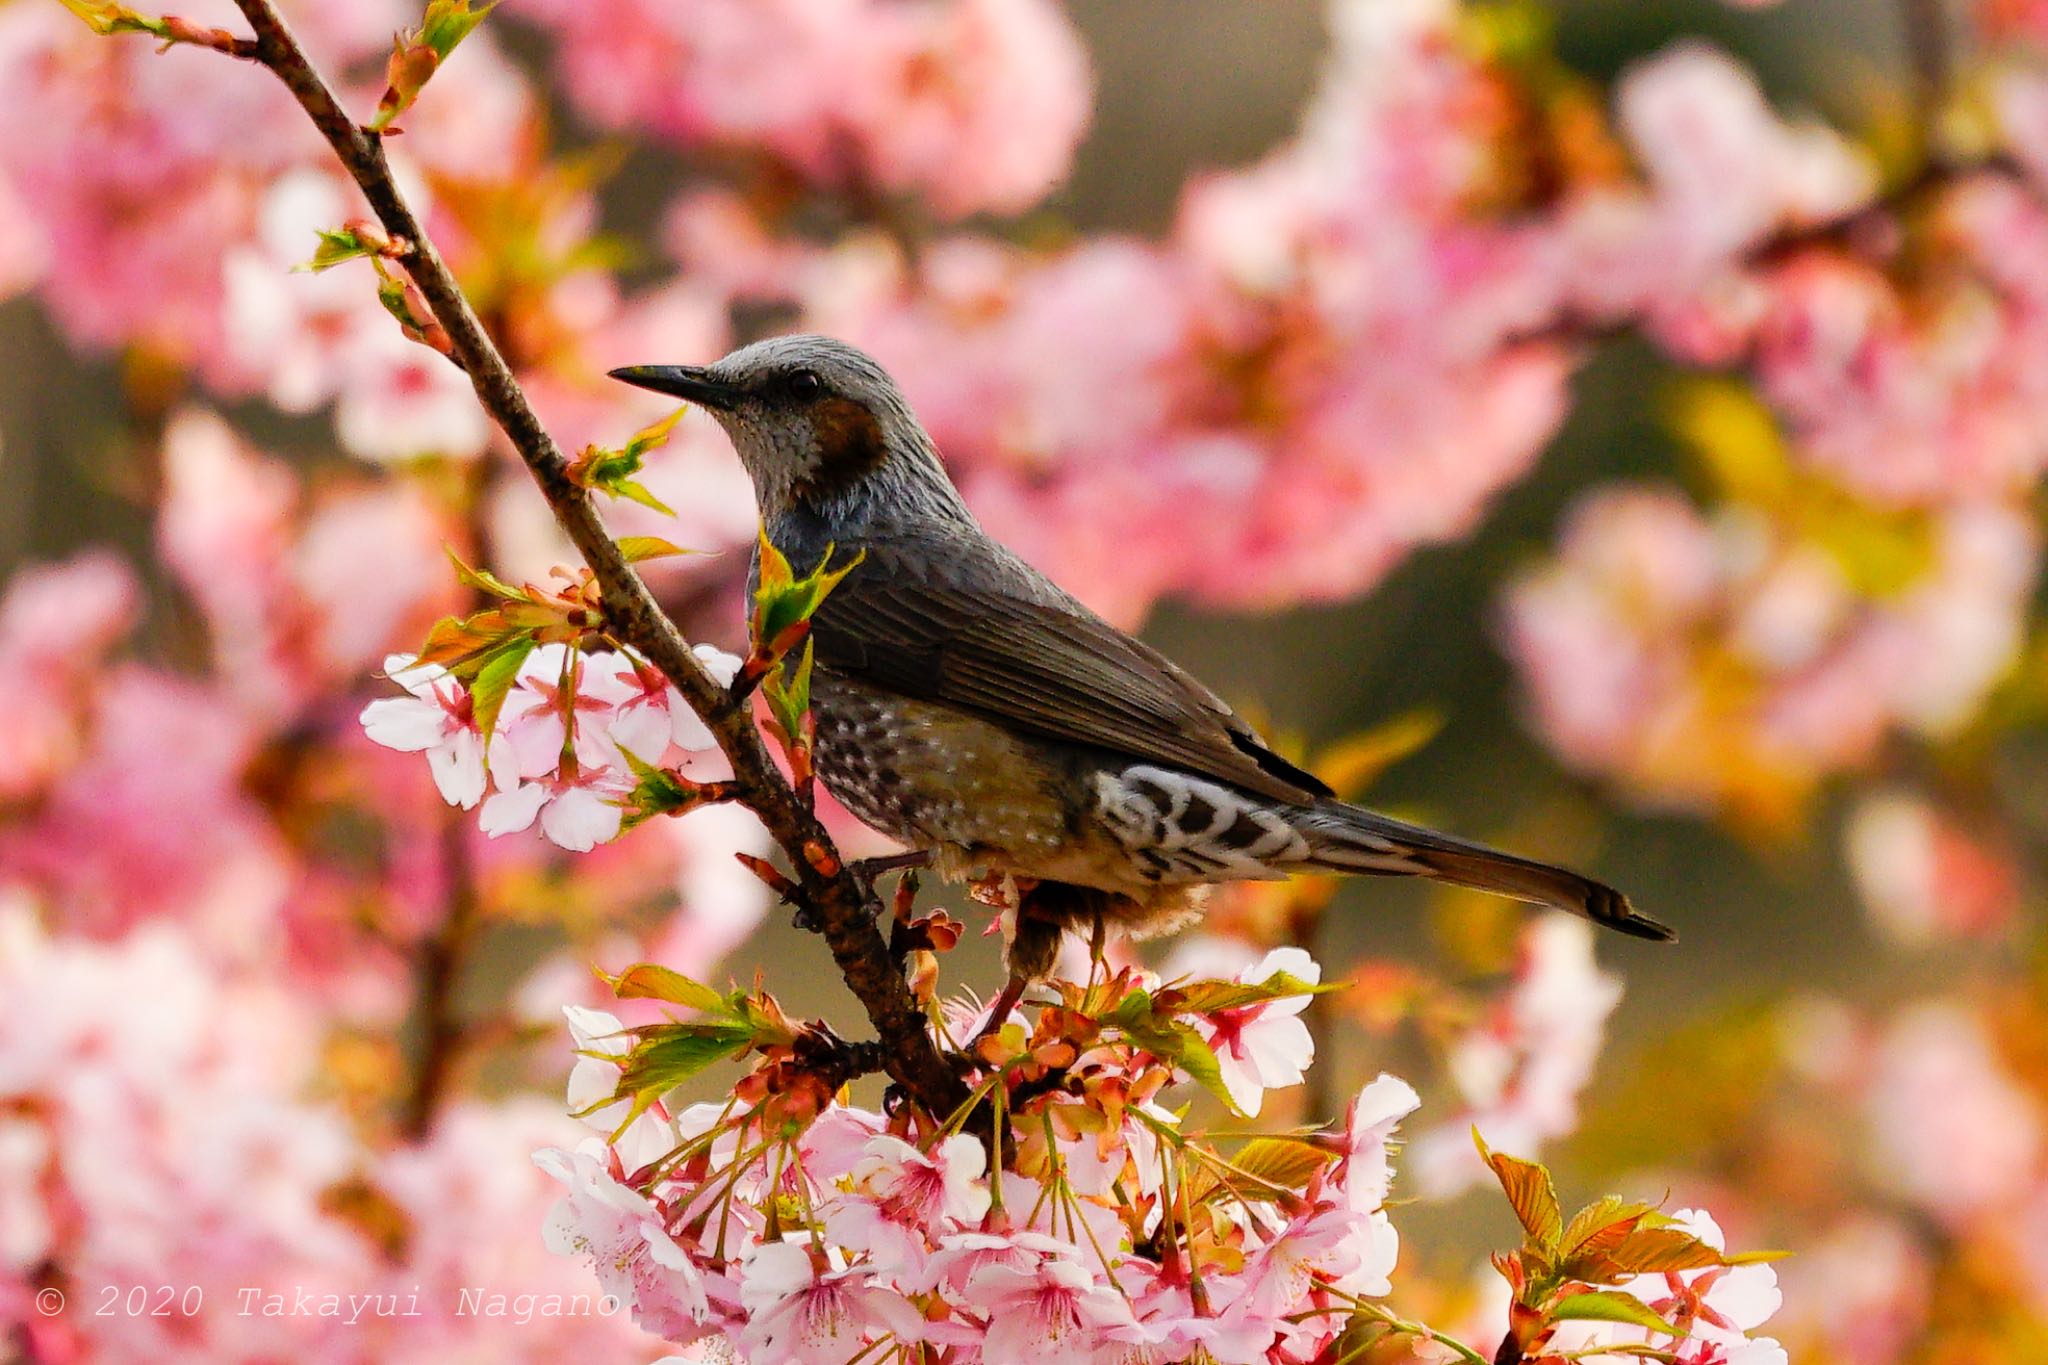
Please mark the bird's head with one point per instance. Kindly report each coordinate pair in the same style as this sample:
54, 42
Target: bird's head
819, 425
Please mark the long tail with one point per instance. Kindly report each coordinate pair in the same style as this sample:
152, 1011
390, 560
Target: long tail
1347, 838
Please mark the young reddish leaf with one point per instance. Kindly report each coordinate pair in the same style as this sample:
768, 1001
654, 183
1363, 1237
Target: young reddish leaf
1610, 1305
648, 981
1269, 1165
1652, 1251
1604, 1222
776, 575
418, 53
1530, 1193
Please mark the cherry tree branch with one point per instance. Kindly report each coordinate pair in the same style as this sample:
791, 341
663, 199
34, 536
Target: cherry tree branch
842, 909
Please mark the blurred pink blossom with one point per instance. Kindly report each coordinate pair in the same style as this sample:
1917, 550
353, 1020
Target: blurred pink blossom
1951, 1129
1924, 874
1728, 664
56, 624
1520, 1070
974, 104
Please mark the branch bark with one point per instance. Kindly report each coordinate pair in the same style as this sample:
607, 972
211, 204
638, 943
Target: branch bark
843, 910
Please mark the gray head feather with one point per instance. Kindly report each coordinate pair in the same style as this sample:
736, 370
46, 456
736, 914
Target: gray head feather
822, 429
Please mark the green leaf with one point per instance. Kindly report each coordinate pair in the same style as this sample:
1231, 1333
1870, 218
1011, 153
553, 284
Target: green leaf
788, 693
448, 22
669, 1054
1208, 997
781, 600
612, 471
656, 792
484, 580
632, 490
1530, 1194
494, 681
655, 434
336, 245
1198, 1059
1610, 1305
648, 981
639, 549
105, 19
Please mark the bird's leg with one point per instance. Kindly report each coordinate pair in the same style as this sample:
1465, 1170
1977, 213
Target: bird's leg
1097, 941
867, 869
1012, 992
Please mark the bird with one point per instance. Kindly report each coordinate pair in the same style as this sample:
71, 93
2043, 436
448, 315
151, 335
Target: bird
981, 716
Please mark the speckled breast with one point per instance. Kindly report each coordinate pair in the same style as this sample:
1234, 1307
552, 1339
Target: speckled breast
930, 776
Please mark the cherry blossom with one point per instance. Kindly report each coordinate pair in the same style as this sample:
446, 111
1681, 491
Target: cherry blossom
1053, 1310
798, 1313
1265, 1046
437, 719
1520, 1069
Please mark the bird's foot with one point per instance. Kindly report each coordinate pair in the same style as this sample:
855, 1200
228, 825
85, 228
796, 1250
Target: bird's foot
999, 1011
865, 870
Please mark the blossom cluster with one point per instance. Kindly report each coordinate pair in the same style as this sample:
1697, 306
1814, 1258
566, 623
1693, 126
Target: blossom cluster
973, 106
170, 1156
1728, 664
566, 736
1092, 1223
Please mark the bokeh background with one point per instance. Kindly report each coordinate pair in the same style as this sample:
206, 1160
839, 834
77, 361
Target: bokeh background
1611, 428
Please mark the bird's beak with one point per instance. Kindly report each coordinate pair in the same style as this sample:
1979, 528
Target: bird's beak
691, 383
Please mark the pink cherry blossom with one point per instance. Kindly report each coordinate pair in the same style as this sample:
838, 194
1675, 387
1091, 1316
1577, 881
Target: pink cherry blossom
576, 815
1264, 1046
1951, 1129
1923, 874
1054, 1310
797, 1313
975, 105
901, 1196
620, 1233
437, 719
1520, 1069
56, 623
1369, 1123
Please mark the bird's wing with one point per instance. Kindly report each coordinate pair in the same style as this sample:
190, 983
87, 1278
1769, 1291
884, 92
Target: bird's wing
982, 632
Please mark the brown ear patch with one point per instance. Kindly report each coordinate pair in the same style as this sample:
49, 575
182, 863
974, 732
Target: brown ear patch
849, 447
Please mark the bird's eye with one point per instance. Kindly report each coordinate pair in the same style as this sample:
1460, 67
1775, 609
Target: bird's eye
806, 384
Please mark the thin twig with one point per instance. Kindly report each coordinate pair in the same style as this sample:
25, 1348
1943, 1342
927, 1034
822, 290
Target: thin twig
437, 974
843, 910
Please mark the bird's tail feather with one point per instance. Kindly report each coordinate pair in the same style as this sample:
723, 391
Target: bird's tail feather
1346, 838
